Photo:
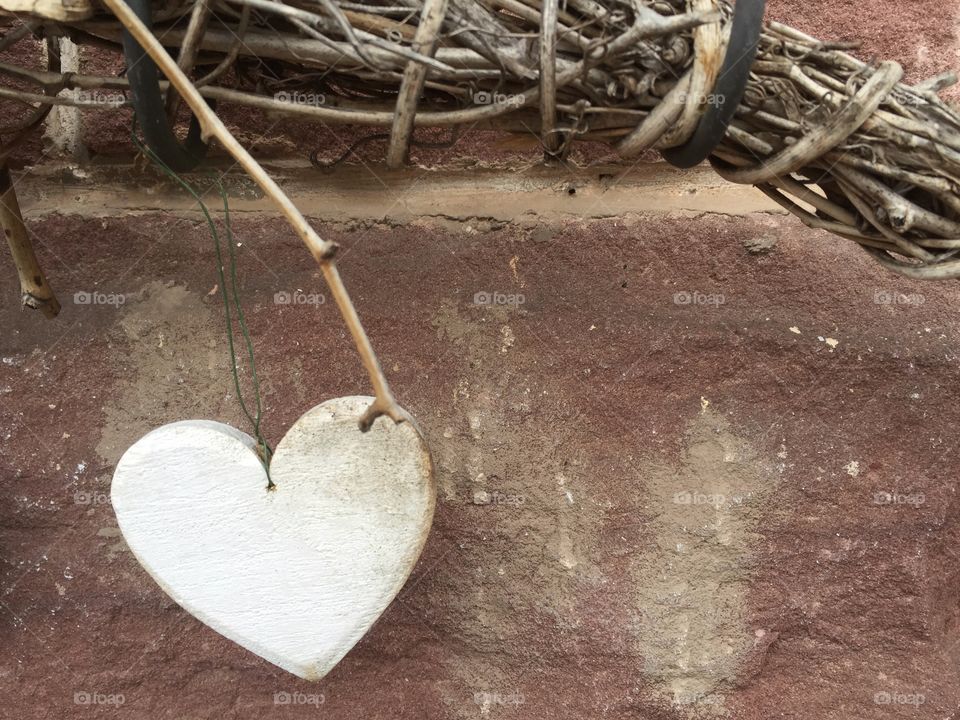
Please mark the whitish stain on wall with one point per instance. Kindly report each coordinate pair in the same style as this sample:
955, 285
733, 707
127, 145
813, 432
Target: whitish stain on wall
532, 543
692, 581
177, 367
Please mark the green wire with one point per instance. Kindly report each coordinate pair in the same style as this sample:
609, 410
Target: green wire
264, 451
242, 321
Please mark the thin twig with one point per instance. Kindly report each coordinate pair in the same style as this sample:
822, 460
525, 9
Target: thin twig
35, 291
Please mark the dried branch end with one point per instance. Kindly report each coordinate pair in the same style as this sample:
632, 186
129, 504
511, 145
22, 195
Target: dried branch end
50, 307
36, 293
379, 408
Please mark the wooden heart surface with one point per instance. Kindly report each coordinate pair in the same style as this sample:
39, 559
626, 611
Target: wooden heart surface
298, 573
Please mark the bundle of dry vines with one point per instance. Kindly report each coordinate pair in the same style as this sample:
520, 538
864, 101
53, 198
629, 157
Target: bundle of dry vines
838, 142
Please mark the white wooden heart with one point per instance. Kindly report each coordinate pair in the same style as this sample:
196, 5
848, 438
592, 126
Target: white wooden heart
296, 574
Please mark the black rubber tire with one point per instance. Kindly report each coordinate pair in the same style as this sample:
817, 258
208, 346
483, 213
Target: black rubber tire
731, 85
149, 105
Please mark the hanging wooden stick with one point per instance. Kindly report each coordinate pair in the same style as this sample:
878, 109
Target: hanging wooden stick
323, 251
36, 293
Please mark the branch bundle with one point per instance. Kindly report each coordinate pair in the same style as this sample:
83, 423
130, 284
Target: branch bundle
841, 143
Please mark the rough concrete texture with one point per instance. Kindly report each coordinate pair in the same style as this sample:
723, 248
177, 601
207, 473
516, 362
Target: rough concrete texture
680, 479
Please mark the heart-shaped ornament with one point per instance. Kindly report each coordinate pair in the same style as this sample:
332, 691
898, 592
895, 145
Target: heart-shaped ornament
298, 573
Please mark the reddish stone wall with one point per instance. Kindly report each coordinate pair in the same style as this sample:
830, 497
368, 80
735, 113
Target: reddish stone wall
573, 570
